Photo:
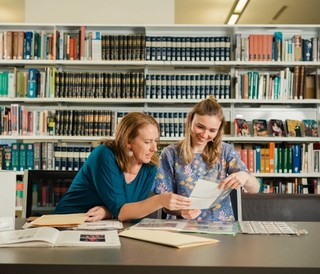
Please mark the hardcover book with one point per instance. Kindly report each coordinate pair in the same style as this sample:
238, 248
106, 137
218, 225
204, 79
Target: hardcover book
260, 127
294, 128
277, 128
49, 236
310, 128
242, 127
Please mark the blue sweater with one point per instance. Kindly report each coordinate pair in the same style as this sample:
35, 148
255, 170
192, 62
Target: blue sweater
101, 182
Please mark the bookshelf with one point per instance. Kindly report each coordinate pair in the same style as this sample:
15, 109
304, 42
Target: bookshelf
78, 81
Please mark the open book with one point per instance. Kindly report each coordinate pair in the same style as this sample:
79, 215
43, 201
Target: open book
167, 238
207, 227
49, 236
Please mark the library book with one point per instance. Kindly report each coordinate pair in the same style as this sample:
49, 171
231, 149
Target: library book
52, 237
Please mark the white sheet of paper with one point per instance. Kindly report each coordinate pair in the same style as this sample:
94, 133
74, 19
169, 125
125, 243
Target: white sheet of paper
205, 194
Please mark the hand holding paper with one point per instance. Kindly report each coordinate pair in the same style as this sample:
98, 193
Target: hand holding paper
206, 194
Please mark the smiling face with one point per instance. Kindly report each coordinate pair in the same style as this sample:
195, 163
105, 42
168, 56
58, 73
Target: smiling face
204, 129
145, 144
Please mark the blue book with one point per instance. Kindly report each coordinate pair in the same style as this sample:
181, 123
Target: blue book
296, 158
70, 158
257, 149
28, 45
32, 90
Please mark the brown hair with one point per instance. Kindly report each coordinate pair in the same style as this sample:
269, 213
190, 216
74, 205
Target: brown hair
127, 129
212, 151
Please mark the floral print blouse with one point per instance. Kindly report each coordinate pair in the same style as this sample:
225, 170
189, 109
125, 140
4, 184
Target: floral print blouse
174, 175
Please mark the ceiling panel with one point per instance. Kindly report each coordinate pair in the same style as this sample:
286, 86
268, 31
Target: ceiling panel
202, 11
256, 12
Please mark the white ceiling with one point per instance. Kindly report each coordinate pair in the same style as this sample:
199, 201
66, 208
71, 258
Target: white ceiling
256, 12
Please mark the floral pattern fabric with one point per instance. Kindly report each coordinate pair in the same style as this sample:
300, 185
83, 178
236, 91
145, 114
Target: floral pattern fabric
174, 175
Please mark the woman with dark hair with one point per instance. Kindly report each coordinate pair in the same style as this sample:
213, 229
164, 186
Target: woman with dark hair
116, 179
203, 154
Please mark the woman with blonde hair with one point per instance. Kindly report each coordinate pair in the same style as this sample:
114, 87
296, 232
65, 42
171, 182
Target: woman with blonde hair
203, 154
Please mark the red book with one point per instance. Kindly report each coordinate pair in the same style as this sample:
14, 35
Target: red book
82, 42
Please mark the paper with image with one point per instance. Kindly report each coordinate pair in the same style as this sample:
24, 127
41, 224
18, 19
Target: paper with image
206, 194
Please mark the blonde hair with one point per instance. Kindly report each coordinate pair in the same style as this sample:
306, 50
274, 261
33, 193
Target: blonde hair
212, 151
128, 129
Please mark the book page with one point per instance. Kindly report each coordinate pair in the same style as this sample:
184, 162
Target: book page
88, 238
42, 236
60, 220
206, 194
168, 238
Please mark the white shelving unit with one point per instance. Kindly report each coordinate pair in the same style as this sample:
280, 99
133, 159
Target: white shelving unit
234, 107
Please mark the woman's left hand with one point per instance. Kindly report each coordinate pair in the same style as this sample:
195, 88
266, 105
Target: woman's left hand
98, 213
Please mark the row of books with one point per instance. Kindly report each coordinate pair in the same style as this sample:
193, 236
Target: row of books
188, 48
96, 45
24, 156
188, 86
84, 122
29, 82
281, 158
172, 124
277, 127
289, 186
43, 156
49, 83
288, 83
27, 45
99, 85
275, 47
18, 120
48, 195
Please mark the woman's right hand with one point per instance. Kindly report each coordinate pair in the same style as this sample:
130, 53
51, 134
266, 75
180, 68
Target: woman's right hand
174, 201
98, 213
190, 214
